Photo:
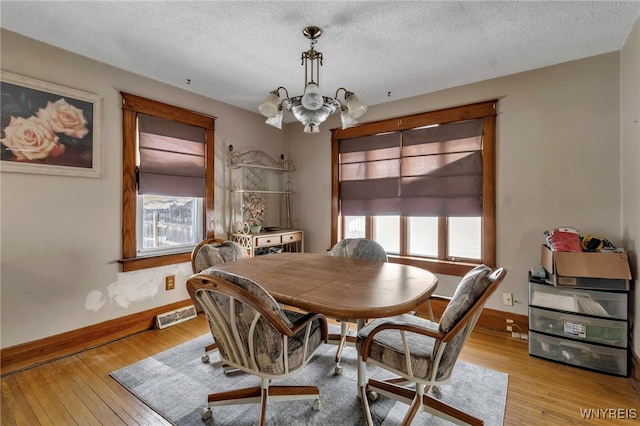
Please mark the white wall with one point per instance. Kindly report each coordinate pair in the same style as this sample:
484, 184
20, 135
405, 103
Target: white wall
630, 158
61, 236
558, 161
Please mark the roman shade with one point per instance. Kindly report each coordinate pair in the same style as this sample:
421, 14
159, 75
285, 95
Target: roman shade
370, 175
427, 171
172, 158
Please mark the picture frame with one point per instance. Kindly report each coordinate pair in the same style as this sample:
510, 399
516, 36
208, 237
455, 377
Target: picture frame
46, 128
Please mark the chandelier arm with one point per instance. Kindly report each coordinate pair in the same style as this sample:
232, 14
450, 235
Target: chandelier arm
277, 91
347, 93
339, 89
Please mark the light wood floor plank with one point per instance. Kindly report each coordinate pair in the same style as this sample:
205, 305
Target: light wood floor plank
23, 412
79, 390
81, 414
82, 380
40, 405
99, 362
18, 411
47, 394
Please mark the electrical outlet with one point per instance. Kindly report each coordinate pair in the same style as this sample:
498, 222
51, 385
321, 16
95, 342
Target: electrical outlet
509, 328
170, 282
507, 299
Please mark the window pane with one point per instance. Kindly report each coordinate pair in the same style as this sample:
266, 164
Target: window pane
354, 227
386, 231
465, 237
423, 236
169, 223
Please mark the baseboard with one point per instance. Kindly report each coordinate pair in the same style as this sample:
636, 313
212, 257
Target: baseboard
26, 355
489, 318
30, 354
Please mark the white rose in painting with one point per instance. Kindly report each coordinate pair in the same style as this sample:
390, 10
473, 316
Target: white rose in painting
65, 118
31, 139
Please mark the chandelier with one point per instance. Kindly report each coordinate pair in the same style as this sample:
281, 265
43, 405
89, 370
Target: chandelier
311, 109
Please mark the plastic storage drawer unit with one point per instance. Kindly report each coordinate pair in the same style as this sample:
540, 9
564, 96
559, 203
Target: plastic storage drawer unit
589, 302
585, 355
588, 329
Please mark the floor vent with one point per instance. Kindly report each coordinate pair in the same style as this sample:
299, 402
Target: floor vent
176, 317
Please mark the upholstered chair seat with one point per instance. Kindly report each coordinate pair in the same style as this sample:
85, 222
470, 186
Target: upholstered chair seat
213, 252
256, 335
424, 352
353, 248
208, 253
359, 248
387, 347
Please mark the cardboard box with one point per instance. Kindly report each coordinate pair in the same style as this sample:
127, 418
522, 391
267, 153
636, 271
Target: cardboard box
606, 271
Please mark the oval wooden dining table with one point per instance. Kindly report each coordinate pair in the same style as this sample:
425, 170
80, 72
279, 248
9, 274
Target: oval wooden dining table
338, 287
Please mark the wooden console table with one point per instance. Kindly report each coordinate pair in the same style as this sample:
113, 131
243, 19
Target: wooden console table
287, 240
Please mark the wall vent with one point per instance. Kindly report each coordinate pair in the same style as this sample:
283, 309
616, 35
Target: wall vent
176, 317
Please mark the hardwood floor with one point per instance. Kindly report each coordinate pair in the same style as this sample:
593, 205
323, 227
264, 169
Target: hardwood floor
77, 390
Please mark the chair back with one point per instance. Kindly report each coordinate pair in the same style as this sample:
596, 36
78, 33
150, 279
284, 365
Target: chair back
248, 325
461, 316
213, 251
359, 248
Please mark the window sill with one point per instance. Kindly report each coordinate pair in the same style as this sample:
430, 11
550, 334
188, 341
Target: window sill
137, 263
458, 269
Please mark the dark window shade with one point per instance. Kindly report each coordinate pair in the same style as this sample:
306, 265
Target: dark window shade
370, 175
436, 172
443, 133
172, 129
370, 170
376, 207
370, 143
172, 158
370, 197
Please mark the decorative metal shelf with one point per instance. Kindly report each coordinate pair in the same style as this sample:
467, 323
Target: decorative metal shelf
257, 166
259, 191
253, 174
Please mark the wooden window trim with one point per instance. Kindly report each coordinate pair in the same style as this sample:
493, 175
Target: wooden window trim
484, 110
131, 106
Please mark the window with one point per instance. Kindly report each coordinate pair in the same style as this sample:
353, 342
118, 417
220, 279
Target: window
167, 180
423, 186
168, 224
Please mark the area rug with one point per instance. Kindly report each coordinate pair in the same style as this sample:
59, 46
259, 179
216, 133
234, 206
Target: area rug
175, 383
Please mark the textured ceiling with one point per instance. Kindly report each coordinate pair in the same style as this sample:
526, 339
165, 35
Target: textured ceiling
236, 52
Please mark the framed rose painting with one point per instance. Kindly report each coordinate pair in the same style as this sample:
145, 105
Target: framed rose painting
49, 129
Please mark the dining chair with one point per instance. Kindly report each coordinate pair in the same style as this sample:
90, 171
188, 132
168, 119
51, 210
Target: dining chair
257, 336
210, 252
423, 352
213, 251
355, 248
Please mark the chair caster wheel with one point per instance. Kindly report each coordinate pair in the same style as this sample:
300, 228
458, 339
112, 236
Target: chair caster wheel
339, 370
436, 390
206, 414
204, 359
372, 396
316, 405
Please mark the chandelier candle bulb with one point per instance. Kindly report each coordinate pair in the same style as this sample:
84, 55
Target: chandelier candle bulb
312, 99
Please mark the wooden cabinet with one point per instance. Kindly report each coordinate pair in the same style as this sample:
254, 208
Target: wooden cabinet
269, 242
261, 191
